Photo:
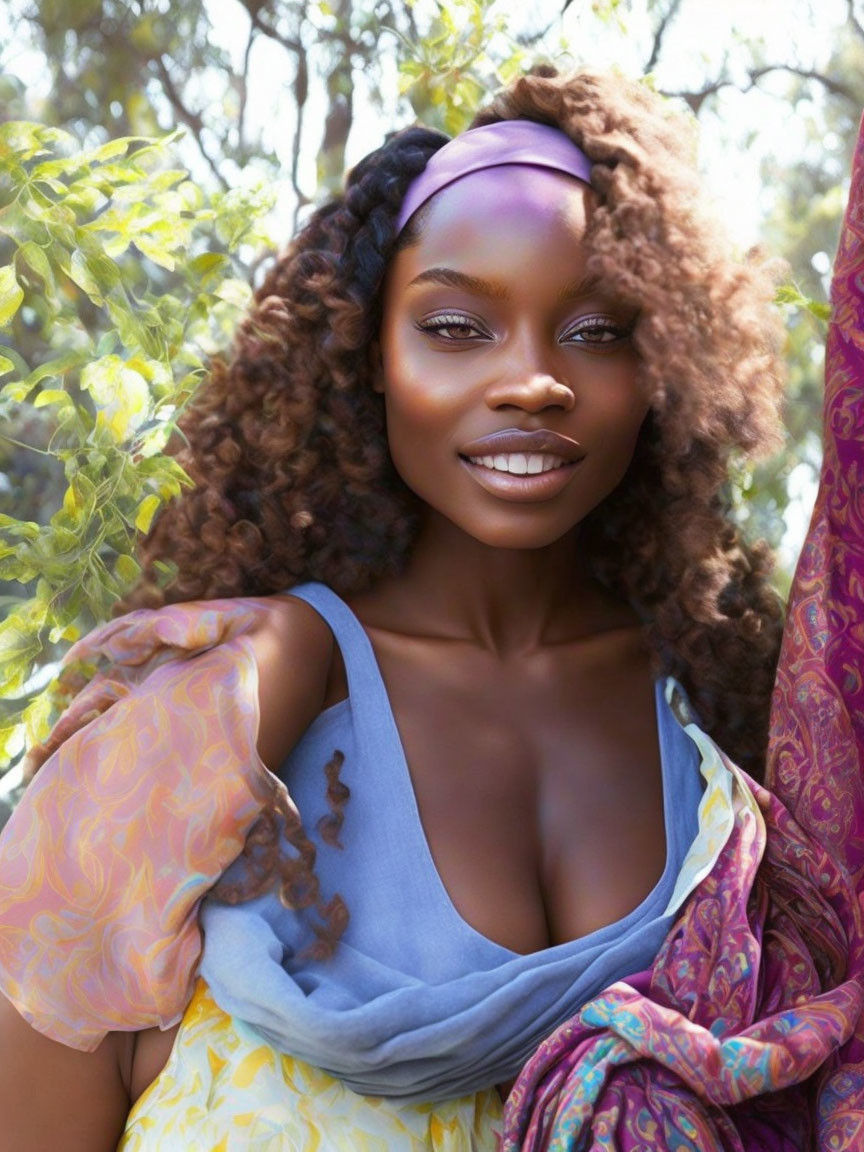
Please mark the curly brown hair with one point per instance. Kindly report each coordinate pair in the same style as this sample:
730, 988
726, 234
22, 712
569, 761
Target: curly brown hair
286, 443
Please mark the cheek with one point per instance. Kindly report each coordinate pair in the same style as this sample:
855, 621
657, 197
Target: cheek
631, 425
633, 419
616, 406
412, 419
412, 411
615, 433
424, 417
422, 401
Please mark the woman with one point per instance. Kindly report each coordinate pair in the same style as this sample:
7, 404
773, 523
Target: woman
479, 424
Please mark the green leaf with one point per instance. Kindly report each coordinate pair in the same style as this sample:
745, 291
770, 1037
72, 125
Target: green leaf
56, 186
52, 396
208, 266
116, 245
85, 198
821, 309
509, 69
107, 343
26, 529
20, 645
11, 294
792, 294
57, 368
155, 252
27, 139
81, 493
132, 338
16, 392
34, 257
234, 291
121, 395
127, 569
84, 278
191, 195
132, 332
109, 151
146, 511
21, 366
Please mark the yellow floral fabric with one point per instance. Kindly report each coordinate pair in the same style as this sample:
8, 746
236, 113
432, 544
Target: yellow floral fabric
224, 1089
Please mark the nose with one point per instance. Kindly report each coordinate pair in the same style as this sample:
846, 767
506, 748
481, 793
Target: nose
532, 392
528, 380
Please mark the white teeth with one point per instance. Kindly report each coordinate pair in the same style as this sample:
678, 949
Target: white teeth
519, 463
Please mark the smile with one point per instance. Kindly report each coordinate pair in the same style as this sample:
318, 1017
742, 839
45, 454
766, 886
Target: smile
518, 463
522, 477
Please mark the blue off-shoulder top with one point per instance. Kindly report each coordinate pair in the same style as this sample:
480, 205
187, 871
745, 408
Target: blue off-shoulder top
414, 1002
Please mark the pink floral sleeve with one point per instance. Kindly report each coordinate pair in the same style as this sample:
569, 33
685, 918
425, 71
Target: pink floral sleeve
146, 801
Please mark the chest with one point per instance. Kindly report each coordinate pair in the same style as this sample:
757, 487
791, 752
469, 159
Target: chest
537, 780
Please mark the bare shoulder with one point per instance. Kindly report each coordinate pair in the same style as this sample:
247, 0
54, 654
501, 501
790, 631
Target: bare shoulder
293, 649
52, 1096
289, 631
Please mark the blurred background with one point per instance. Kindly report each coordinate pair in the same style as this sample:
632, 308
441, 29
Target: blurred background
123, 266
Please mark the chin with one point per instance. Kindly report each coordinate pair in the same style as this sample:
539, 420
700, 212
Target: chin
518, 538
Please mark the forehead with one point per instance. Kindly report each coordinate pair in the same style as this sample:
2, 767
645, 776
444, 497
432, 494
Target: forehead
510, 214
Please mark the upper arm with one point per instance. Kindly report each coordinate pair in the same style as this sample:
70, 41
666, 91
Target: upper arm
293, 649
52, 1096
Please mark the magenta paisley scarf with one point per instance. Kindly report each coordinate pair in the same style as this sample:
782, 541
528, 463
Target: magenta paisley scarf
747, 1034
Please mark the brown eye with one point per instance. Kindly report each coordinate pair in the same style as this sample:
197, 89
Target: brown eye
453, 327
596, 331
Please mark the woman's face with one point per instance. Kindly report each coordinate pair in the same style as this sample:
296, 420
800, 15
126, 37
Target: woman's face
491, 331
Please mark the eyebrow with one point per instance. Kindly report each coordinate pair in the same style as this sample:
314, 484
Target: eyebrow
450, 278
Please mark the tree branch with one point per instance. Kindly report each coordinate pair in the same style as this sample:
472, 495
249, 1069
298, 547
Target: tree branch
529, 39
244, 92
192, 120
301, 91
657, 47
697, 99
413, 33
272, 33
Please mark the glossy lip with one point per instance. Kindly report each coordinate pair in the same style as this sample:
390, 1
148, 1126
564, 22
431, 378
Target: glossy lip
525, 489
515, 440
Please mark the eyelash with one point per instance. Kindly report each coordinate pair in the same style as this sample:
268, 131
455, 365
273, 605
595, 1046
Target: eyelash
599, 324
437, 325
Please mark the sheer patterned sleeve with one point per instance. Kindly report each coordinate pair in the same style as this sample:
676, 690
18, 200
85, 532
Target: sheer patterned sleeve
817, 724
146, 801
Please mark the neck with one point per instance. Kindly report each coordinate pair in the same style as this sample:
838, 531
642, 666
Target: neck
506, 600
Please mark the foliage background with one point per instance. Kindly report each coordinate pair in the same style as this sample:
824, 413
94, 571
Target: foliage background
125, 256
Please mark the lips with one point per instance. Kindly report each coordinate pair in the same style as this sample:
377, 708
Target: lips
513, 440
521, 488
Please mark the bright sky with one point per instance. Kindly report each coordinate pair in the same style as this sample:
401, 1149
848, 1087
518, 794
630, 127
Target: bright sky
734, 136
733, 139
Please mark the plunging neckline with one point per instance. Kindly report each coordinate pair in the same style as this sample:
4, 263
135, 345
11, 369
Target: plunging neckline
414, 1001
377, 703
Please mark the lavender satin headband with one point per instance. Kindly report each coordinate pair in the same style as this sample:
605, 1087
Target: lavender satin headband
494, 145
